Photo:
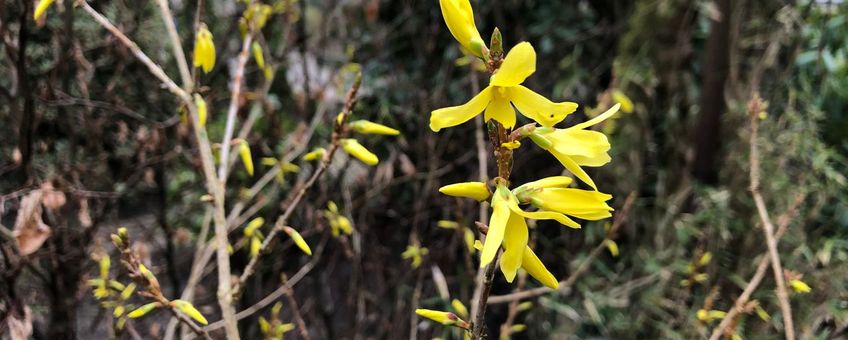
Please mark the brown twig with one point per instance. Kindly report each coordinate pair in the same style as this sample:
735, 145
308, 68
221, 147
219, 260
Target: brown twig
235, 98
298, 318
338, 134
565, 285
759, 274
755, 107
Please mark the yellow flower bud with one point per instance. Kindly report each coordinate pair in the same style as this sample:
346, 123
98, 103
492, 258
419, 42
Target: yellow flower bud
298, 240
459, 308
204, 49
624, 100
445, 318
41, 8
800, 286
141, 311
257, 54
366, 127
352, 147
445, 224
459, 17
201, 109
476, 190
612, 246
315, 154
246, 157
255, 246
253, 225
188, 309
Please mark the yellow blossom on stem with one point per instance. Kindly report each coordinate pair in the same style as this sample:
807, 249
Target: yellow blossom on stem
371, 128
504, 91
459, 17
204, 49
42, 7
800, 286
414, 253
338, 222
201, 109
476, 190
315, 154
352, 147
575, 146
298, 240
445, 318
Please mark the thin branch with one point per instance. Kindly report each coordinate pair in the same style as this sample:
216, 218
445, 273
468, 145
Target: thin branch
755, 107
565, 285
295, 309
234, 105
176, 44
350, 101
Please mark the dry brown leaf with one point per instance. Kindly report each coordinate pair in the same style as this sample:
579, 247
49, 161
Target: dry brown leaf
30, 230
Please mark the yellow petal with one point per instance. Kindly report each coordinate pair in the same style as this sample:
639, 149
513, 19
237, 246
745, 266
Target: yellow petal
255, 246
573, 167
549, 182
515, 240
201, 109
585, 147
531, 263
476, 190
41, 8
519, 64
352, 147
538, 108
366, 127
316, 153
584, 204
459, 18
800, 286
600, 118
612, 247
624, 100
542, 215
455, 115
497, 227
500, 110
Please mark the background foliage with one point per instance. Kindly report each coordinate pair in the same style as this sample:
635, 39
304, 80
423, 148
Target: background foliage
80, 113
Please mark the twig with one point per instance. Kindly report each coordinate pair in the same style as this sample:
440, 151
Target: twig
325, 163
234, 103
215, 187
176, 44
565, 285
298, 318
755, 107
760, 273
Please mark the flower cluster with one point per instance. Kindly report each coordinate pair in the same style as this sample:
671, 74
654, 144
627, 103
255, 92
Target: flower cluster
551, 198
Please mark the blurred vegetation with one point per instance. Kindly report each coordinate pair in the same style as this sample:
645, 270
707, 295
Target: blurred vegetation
80, 113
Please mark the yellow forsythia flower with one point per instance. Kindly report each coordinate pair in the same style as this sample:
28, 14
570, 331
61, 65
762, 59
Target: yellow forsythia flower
315, 154
257, 54
188, 309
119, 310
800, 286
253, 225
576, 146
352, 147
476, 190
371, 128
127, 292
445, 318
612, 247
246, 157
204, 49
255, 245
459, 308
298, 240
504, 91
41, 8
624, 100
709, 316
445, 224
469, 240
141, 311
415, 253
201, 109
459, 17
